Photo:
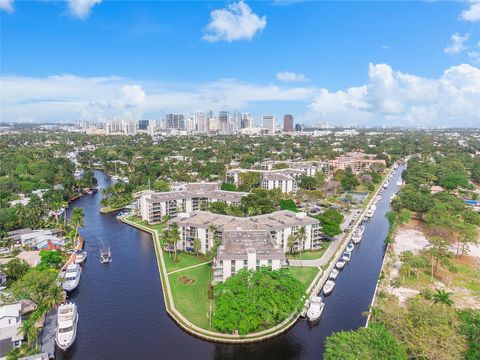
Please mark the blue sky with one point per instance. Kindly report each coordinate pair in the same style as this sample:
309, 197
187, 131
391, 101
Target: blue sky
361, 60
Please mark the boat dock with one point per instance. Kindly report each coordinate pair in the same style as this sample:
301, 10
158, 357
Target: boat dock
47, 337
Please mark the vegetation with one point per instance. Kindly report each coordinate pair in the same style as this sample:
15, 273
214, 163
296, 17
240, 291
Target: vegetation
374, 342
255, 300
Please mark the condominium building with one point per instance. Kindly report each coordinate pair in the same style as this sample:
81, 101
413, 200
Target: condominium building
247, 121
269, 123
356, 161
154, 206
175, 121
288, 123
248, 242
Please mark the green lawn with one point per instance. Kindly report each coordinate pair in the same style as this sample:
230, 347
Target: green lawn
137, 220
305, 274
184, 260
468, 277
310, 254
192, 299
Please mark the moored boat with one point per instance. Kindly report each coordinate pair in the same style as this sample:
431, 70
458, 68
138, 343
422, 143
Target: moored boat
315, 309
67, 319
72, 277
347, 255
333, 274
340, 264
80, 257
328, 287
349, 247
357, 234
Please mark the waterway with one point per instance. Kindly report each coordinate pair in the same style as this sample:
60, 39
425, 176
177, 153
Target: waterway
122, 314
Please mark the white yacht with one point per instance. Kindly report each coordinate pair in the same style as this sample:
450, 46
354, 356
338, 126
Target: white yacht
328, 287
340, 264
399, 182
67, 319
349, 247
315, 309
80, 257
72, 277
371, 211
357, 234
333, 274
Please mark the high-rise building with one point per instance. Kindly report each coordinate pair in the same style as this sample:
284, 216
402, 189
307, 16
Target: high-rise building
288, 123
269, 123
298, 127
223, 122
175, 121
247, 121
129, 127
143, 124
151, 129
200, 122
113, 126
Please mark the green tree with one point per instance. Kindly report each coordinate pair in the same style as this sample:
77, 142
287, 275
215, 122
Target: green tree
15, 269
161, 185
374, 342
77, 220
228, 187
307, 182
197, 246
50, 259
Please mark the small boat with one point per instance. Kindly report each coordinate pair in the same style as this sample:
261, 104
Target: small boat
328, 287
333, 274
67, 319
347, 255
350, 247
106, 257
340, 264
80, 257
72, 277
315, 309
399, 182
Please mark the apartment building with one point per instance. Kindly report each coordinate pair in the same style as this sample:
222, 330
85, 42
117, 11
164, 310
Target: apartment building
246, 242
358, 162
154, 206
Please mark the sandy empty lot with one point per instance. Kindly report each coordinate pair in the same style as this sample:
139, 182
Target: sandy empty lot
409, 239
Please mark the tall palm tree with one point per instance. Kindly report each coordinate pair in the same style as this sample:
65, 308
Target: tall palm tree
77, 220
442, 297
174, 238
301, 238
290, 243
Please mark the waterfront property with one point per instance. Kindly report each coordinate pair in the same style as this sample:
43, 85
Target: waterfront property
154, 206
10, 324
248, 242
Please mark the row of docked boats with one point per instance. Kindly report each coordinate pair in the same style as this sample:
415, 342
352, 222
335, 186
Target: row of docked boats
67, 314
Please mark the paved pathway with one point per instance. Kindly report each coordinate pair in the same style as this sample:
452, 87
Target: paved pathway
332, 248
189, 267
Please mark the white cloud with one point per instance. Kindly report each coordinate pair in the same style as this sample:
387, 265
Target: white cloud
81, 8
457, 43
289, 76
396, 98
236, 22
6, 5
472, 13
67, 97
474, 56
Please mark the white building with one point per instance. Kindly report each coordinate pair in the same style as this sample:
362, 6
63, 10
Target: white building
269, 123
246, 242
10, 324
154, 206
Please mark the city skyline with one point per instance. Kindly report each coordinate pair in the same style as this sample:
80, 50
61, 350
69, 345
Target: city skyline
344, 64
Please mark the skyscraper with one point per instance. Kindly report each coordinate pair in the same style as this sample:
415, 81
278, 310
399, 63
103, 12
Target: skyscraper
142, 124
200, 122
269, 123
175, 121
223, 122
288, 123
247, 121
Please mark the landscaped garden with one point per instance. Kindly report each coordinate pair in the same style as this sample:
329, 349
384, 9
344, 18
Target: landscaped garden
304, 274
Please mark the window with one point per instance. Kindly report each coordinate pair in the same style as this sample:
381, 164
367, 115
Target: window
258, 264
245, 263
270, 263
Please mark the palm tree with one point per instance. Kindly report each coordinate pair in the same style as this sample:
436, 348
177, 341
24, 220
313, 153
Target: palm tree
197, 246
291, 242
29, 329
442, 297
174, 238
301, 237
77, 220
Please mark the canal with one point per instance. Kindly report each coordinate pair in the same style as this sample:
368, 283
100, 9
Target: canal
122, 313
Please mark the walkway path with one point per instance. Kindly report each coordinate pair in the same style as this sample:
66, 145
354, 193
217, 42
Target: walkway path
189, 267
332, 248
